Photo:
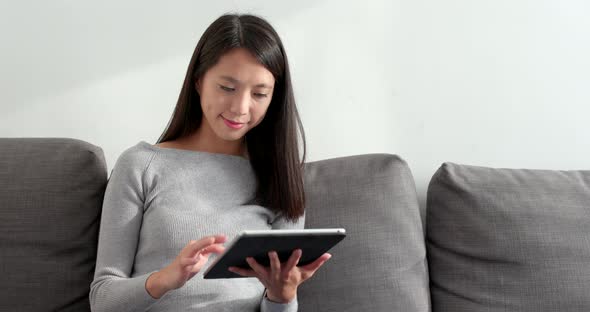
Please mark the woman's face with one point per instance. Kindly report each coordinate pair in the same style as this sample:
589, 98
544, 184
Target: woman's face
236, 89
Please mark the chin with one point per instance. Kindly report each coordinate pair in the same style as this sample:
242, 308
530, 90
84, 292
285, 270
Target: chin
230, 137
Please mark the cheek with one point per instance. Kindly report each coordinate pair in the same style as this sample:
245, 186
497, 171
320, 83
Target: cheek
213, 103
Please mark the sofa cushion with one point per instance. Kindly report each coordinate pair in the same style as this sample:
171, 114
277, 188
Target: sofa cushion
381, 264
508, 239
51, 192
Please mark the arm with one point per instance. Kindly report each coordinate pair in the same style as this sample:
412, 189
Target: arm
270, 306
122, 213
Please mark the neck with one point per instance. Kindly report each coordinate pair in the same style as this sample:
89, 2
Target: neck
207, 141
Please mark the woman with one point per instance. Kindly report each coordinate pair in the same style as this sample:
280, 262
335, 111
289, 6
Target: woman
228, 161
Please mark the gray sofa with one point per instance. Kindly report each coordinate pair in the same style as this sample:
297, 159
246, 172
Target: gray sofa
489, 240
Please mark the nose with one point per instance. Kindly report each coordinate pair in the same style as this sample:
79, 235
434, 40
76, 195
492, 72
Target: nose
240, 104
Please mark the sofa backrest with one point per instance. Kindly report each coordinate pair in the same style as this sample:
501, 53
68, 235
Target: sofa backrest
381, 264
508, 239
51, 193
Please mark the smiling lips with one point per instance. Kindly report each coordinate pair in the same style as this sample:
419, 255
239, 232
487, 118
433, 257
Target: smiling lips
231, 124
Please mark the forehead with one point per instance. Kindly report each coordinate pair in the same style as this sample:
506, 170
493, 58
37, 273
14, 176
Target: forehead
242, 66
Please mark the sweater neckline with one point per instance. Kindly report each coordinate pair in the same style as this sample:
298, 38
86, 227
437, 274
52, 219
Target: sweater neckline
186, 151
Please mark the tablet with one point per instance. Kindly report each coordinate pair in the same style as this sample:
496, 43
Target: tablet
257, 243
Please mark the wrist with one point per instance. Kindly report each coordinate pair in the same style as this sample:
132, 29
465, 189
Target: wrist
284, 297
155, 285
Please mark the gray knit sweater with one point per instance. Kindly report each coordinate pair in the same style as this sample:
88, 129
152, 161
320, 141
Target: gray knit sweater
157, 200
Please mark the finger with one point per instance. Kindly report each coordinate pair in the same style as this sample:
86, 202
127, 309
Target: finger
198, 260
275, 264
243, 272
257, 267
218, 249
194, 246
292, 262
192, 265
203, 255
312, 267
220, 238
184, 262
202, 261
209, 240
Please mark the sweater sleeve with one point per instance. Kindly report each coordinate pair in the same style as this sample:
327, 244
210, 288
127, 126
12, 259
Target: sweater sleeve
292, 306
113, 288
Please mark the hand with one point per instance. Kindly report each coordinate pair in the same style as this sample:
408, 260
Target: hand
187, 264
282, 279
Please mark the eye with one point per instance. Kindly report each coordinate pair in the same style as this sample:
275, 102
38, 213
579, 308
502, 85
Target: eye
227, 89
260, 95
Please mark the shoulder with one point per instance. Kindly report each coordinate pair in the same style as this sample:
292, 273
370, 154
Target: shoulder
135, 158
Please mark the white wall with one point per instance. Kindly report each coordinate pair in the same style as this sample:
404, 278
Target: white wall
501, 83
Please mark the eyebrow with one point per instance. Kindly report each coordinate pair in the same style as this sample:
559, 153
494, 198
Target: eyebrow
236, 81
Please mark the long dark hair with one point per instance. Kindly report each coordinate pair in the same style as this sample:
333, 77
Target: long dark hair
273, 144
